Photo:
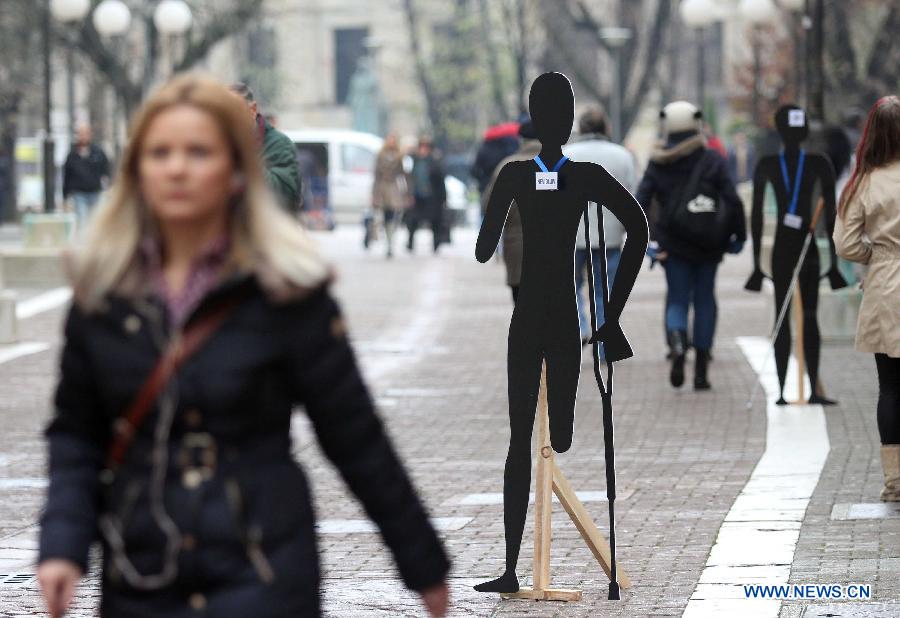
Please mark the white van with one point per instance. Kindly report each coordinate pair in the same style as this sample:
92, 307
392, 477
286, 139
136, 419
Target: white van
338, 170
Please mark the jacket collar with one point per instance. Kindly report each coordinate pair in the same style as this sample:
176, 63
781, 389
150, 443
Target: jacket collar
668, 153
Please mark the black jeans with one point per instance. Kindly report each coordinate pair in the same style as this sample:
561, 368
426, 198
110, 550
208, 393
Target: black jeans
888, 398
426, 209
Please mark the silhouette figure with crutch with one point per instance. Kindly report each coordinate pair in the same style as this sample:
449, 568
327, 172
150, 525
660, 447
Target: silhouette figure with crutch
544, 326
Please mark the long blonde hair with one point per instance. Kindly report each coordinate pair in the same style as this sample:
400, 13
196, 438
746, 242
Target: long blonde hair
264, 239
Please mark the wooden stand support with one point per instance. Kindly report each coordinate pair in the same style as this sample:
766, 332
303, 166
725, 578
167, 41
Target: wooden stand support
550, 477
799, 350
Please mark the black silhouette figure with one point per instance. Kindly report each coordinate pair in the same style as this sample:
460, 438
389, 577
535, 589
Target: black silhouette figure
793, 174
544, 324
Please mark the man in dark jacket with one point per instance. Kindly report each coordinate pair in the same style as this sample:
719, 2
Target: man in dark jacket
85, 174
279, 155
430, 193
690, 267
500, 141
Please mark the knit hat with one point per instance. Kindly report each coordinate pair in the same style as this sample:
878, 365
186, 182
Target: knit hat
680, 116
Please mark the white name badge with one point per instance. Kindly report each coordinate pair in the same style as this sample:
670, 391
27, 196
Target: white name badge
545, 181
793, 221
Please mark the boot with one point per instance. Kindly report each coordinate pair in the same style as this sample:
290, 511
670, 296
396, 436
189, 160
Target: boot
678, 345
701, 362
890, 463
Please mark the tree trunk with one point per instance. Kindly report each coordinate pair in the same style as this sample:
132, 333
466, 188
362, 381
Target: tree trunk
638, 88
501, 113
9, 127
412, 21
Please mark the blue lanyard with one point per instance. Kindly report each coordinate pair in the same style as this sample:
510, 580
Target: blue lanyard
556, 167
795, 196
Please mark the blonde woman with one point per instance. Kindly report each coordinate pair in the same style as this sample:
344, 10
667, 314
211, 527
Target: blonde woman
192, 276
390, 194
867, 231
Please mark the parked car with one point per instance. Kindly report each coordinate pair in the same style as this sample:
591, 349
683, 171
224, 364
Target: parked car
338, 169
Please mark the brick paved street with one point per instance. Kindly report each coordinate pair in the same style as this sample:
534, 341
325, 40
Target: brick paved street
431, 335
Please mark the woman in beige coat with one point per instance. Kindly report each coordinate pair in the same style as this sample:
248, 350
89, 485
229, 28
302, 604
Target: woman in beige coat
390, 195
868, 231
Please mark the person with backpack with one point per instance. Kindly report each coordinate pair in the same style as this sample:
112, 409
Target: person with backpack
700, 218
594, 145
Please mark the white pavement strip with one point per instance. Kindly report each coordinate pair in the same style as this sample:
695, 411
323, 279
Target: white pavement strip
30, 308
756, 542
43, 302
357, 526
486, 499
19, 551
18, 350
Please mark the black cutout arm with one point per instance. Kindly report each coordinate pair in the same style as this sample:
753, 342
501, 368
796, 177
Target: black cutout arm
498, 203
835, 278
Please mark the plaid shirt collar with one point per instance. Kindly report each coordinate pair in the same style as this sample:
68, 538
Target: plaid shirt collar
204, 273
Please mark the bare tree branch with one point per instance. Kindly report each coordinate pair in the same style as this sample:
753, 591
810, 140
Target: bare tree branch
882, 66
637, 89
222, 26
431, 102
500, 110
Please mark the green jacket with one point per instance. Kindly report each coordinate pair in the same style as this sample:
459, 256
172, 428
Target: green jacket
282, 171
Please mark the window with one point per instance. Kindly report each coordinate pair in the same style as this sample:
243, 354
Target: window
357, 159
349, 46
261, 46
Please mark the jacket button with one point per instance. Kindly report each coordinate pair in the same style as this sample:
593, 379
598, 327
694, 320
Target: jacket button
132, 324
193, 418
188, 542
338, 328
191, 479
197, 602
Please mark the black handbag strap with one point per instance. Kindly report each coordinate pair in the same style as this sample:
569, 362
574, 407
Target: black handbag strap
694, 180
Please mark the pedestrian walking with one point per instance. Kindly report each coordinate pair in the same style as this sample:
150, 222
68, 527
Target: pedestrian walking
529, 148
85, 174
201, 316
279, 155
741, 158
867, 231
499, 141
390, 191
430, 195
700, 218
594, 146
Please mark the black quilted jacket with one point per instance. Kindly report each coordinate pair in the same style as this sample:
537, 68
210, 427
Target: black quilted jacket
239, 501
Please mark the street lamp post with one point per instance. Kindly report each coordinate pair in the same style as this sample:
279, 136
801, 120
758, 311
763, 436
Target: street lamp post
171, 17
699, 14
616, 38
64, 10
112, 18
49, 147
70, 11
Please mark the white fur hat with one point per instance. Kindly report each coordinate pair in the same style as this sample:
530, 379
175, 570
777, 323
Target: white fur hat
680, 116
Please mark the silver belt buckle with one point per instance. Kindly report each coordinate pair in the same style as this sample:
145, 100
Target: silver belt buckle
197, 458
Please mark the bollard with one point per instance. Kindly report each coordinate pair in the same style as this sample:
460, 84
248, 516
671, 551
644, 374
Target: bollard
8, 321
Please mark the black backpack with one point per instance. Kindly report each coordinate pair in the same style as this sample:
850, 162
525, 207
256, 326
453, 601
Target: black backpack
700, 216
